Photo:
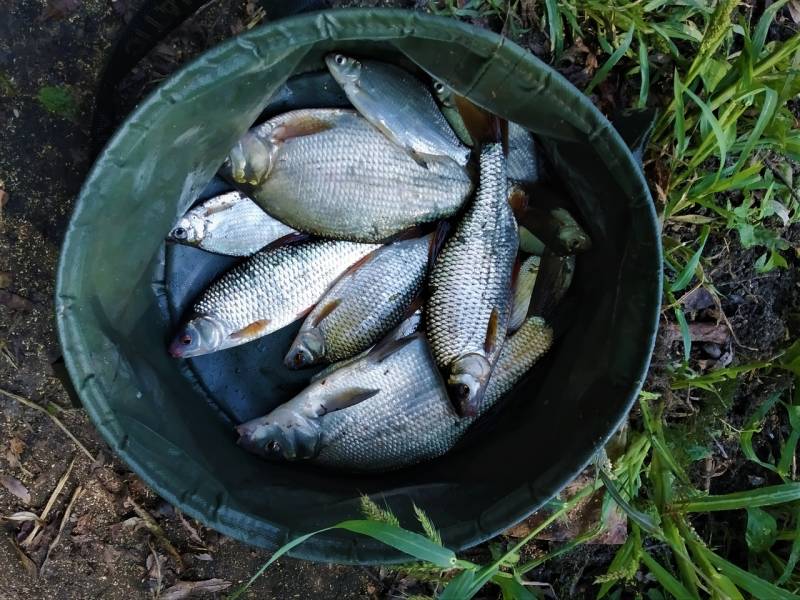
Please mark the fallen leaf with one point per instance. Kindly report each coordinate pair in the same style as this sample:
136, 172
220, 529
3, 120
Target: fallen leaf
698, 299
135, 522
191, 530
27, 563
717, 333
12, 455
5, 276
15, 486
58, 9
22, 516
3, 198
187, 589
204, 556
14, 301
794, 10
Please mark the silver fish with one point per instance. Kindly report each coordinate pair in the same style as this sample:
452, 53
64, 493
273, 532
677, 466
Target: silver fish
467, 312
330, 173
552, 283
363, 305
407, 327
529, 243
389, 409
521, 299
400, 106
229, 224
557, 228
522, 156
447, 104
264, 293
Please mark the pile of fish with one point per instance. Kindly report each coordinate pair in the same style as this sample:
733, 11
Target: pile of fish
404, 232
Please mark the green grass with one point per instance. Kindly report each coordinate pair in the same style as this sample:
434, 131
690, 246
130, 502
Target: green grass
720, 162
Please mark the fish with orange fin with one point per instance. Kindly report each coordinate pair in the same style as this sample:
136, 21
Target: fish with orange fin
265, 293
330, 173
470, 285
363, 305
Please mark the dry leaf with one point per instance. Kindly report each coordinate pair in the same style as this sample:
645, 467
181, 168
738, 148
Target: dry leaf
15, 301
27, 563
188, 589
204, 556
195, 537
15, 449
14, 485
794, 10
23, 516
5, 276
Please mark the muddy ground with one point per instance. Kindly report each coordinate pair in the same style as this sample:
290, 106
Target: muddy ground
96, 542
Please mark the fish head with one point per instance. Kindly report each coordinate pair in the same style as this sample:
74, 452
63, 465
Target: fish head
467, 381
307, 350
444, 94
201, 335
250, 161
574, 239
345, 70
284, 434
191, 229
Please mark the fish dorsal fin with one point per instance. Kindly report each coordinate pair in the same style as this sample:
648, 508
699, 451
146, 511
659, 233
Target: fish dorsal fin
298, 126
492, 332
346, 399
326, 309
388, 346
253, 330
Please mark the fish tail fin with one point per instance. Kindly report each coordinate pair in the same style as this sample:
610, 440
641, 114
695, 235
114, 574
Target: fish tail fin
437, 242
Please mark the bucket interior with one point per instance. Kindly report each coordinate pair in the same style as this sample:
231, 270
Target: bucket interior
120, 294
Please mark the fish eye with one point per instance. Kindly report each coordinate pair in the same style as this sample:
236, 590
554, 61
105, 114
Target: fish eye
186, 339
180, 233
438, 87
340, 60
462, 391
273, 446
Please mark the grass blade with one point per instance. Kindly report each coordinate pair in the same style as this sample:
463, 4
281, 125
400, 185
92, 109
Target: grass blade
555, 28
411, 543
760, 36
665, 578
685, 334
680, 123
756, 586
685, 276
794, 554
278, 553
764, 118
644, 71
716, 128
603, 71
641, 519
766, 496
751, 427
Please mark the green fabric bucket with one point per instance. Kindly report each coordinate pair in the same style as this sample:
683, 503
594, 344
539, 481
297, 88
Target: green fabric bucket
114, 318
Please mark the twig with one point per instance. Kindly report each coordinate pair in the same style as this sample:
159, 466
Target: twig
67, 512
48, 507
154, 528
55, 419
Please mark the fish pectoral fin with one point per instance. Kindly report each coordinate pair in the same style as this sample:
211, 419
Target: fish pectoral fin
388, 346
253, 330
490, 344
518, 200
298, 127
348, 398
325, 310
422, 162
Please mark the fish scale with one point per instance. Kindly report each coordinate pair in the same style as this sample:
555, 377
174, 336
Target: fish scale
472, 273
413, 420
351, 182
278, 284
371, 300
